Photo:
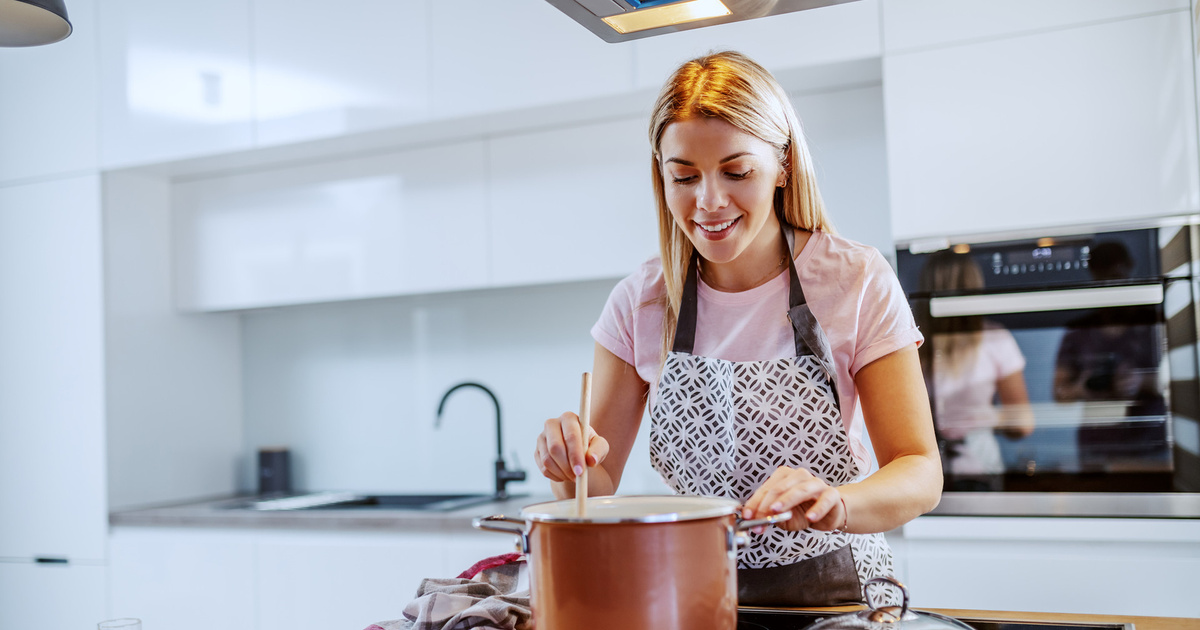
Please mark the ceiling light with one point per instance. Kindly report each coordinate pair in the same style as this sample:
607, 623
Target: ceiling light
667, 15
33, 22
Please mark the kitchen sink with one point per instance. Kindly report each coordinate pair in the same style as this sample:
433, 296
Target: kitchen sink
351, 501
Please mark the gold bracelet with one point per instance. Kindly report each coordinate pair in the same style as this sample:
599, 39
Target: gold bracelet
845, 514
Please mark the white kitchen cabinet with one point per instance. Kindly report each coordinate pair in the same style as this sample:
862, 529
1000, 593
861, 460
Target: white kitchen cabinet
183, 579
51, 595
320, 72
405, 222
176, 80
198, 578
1066, 126
912, 24
1074, 565
48, 109
52, 483
571, 204
491, 56
813, 37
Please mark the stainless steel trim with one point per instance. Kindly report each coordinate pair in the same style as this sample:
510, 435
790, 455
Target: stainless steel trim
1033, 301
1055, 230
1113, 505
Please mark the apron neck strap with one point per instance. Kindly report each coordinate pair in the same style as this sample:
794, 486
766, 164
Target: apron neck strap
685, 326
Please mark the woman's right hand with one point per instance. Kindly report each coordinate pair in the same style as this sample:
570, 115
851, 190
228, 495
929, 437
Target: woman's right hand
561, 454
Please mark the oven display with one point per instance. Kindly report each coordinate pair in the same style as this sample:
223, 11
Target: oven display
1047, 255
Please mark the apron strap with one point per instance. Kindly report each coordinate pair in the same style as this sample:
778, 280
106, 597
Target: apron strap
685, 325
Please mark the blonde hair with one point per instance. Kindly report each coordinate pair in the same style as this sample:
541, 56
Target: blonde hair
730, 86
959, 337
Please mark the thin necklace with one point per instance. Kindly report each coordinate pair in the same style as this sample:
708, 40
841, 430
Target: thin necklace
770, 274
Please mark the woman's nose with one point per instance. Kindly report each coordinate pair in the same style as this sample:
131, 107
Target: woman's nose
711, 195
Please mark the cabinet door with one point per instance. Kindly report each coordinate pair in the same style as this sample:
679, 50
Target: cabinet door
803, 38
1080, 125
571, 204
52, 488
342, 580
491, 56
51, 595
321, 72
183, 579
49, 125
406, 222
910, 24
176, 79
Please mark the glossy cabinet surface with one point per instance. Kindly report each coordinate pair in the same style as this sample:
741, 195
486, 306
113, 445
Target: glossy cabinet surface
51, 595
176, 80
48, 101
1067, 126
802, 38
405, 222
912, 24
322, 71
560, 211
52, 483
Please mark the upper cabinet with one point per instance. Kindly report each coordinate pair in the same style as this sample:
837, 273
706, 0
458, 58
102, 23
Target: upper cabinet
177, 80
912, 24
48, 108
814, 37
571, 204
321, 71
1056, 126
492, 56
406, 222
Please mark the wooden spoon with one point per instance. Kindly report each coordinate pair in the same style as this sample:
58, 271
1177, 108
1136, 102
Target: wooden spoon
585, 410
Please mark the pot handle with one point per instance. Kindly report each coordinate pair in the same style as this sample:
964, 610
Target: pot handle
884, 579
505, 525
770, 520
500, 523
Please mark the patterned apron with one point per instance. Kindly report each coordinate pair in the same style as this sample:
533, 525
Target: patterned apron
720, 428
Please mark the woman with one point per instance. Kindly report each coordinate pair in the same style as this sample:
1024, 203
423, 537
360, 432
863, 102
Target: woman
972, 363
755, 337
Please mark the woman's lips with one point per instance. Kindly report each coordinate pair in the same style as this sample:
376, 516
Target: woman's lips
718, 230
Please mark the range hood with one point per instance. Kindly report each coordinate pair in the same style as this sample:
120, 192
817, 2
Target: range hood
623, 20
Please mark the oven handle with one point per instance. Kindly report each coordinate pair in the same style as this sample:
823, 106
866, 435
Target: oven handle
1057, 300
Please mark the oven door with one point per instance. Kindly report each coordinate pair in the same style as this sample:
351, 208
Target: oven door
1065, 391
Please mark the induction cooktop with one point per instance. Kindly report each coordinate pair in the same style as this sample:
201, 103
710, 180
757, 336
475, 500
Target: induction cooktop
768, 619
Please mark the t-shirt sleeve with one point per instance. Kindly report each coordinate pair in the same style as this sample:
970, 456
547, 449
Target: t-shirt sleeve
614, 329
885, 322
1007, 354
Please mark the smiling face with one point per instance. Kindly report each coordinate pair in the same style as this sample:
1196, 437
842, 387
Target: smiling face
719, 183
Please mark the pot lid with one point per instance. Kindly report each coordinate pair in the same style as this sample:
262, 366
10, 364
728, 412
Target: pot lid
632, 509
888, 617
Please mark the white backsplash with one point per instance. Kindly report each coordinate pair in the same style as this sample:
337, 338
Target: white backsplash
352, 388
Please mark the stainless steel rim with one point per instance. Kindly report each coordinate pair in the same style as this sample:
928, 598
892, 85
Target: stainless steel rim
721, 507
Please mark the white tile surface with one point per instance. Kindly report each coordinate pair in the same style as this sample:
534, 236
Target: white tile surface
176, 80
323, 71
48, 103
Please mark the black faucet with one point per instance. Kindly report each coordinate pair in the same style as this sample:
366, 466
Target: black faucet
503, 474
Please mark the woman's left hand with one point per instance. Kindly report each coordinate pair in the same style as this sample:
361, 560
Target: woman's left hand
813, 502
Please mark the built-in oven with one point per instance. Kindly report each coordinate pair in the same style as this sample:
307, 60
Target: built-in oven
1062, 367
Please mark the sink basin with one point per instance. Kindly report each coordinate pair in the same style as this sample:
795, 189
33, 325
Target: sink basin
351, 501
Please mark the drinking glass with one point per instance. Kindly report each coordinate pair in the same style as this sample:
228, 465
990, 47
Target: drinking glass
121, 624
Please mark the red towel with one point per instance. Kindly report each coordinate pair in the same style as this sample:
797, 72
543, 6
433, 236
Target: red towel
489, 563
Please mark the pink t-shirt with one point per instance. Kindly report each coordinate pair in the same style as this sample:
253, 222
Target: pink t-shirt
849, 287
964, 392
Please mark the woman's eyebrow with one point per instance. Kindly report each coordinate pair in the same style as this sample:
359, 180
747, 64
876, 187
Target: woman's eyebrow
724, 160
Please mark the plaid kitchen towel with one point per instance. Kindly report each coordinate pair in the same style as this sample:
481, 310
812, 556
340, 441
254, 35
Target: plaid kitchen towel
498, 598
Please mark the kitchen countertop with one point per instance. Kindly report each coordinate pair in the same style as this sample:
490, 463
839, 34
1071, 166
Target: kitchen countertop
223, 512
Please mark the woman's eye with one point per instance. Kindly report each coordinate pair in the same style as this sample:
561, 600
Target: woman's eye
743, 175
683, 179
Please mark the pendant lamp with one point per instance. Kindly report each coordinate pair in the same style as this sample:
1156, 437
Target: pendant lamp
33, 22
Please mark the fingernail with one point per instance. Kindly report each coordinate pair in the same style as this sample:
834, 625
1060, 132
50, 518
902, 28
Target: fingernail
812, 516
757, 530
578, 470
746, 514
777, 507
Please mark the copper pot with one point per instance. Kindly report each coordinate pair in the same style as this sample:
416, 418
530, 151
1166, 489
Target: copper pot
635, 562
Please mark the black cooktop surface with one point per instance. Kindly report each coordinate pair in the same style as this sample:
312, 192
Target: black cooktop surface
766, 619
